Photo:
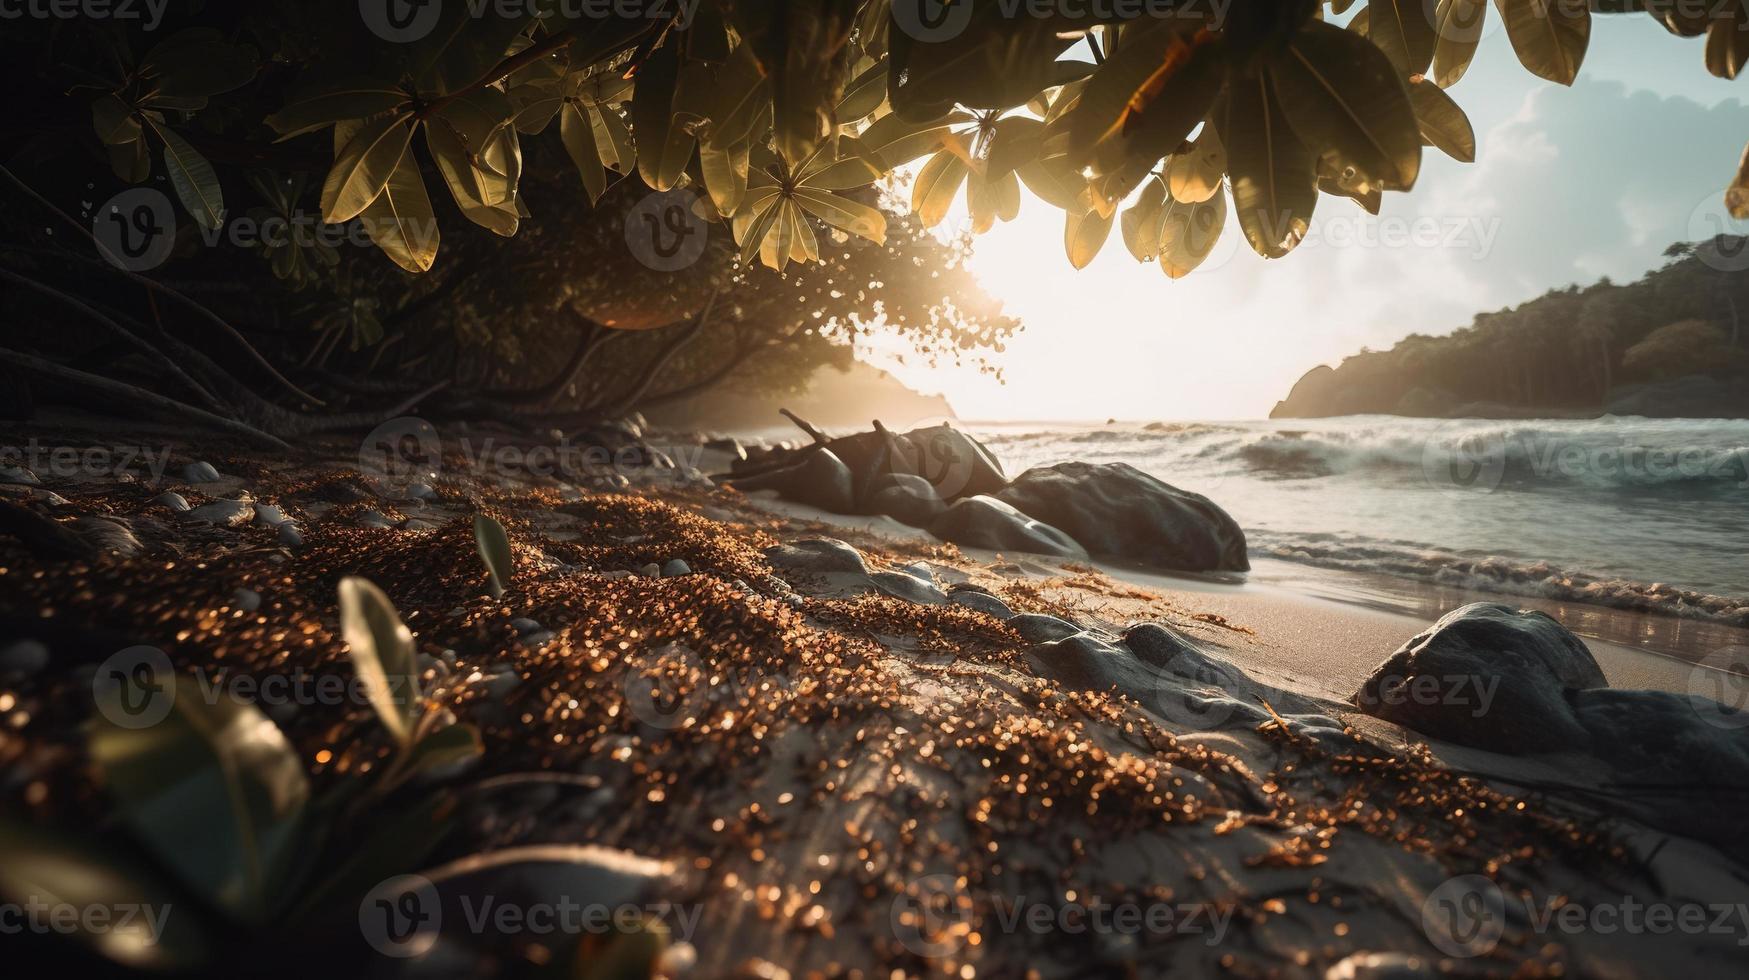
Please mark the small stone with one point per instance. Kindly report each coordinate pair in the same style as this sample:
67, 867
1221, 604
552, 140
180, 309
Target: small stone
174, 501
18, 474
24, 658
500, 685
618, 573
268, 515
246, 600
374, 518
524, 625
110, 535
676, 568
200, 473
537, 639
448, 658
282, 711
51, 498
415, 524
290, 536
421, 491
652, 570
229, 513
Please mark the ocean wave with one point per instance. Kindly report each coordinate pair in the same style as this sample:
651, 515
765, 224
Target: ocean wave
1499, 575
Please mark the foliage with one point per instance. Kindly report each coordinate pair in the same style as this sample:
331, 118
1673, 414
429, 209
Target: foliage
776, 109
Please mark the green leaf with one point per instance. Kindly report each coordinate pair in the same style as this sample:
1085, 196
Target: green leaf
1145, 100
1188, 233
1055, 182
354, 99
743, 100
196, 64
1194, 176
1404, 32
1458, 26
895, 141
115, 121
1550, 36
401, 221
992, 198
1443, 124
803, 49
1274, 176
844, 214
494, 547
1084, 235
382, 653
446, 747
131, 162
1341, 94
1141, 222
725, 175
863, 95
366, 155
466, 139
214, 792
660, 116
937, 185
579, 139
195, 182
44, 866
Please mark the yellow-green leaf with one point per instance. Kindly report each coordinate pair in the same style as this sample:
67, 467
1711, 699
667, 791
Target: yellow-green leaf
382, 654
1403, 31
1141, 222
1342, 95
1550, 36
844, 214
401, 221
193, 178
366, 155
1458, 26
494, 546
725, 175
1274, 176
1195, 175
1443, 123
1084, 235
579, 139
937, 184
1188, 233
115, 121
357, 99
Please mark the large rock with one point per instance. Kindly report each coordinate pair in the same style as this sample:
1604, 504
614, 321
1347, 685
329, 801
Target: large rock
820, 480
1115, 510
985, 522
1488, 676
954, 463
906, 498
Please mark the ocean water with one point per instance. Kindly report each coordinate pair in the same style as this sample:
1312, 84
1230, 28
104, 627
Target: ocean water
1636, 514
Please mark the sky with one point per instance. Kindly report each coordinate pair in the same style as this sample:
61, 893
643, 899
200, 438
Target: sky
1570, 185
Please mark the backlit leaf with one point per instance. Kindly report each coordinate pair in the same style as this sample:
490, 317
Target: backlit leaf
1550, 36
382, 654
366, 155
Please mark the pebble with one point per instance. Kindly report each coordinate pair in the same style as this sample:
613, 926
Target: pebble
175, 501
246, 600
415, 524
200, 473
230, 513
448, 658
282, 711
500, 685
374, 518
538, 639
524, 625
290, 536
421, 491
652, 570
676, 568
618, 574
51, 498
18, 474
110, 535
24, 658
268, 515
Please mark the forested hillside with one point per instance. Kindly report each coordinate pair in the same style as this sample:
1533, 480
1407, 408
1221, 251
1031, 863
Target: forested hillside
1669, 344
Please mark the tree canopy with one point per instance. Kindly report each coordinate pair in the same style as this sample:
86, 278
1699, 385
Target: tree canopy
774, 110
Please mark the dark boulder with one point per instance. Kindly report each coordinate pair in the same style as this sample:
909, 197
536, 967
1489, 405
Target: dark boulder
1115, 510
985, 522
1490, 677
820, 480
906, 498
954, 463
